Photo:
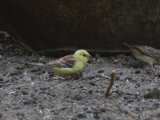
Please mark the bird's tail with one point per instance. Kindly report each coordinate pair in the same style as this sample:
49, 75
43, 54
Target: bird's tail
128, 45
36, 64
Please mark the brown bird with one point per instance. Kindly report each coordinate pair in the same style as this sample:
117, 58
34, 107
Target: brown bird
145, 54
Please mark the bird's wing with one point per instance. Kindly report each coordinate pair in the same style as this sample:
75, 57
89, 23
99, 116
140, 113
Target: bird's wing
149, 51
66, 61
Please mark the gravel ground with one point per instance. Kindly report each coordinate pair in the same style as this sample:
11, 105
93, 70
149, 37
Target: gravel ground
29, 92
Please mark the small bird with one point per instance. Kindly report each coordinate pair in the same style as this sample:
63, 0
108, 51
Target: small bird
70, 64
145, 54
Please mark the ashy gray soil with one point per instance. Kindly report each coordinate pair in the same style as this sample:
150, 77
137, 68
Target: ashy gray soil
29, 92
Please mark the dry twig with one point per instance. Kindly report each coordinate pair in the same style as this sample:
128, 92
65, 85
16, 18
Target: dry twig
110, 84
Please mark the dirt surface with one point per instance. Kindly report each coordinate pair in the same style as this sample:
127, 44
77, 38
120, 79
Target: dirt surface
29, 92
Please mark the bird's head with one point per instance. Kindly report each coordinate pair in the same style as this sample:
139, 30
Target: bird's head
82, 55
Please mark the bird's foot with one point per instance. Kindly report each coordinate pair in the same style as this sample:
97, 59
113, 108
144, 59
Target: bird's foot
77, 76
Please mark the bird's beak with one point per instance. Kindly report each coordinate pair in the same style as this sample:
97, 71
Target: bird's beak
90, 58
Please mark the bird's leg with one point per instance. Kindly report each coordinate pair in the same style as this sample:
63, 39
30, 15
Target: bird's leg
78, 75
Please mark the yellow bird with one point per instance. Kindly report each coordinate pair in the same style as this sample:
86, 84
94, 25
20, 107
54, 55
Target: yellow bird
70, 64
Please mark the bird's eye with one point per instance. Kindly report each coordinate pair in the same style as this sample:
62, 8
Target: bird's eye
84, 55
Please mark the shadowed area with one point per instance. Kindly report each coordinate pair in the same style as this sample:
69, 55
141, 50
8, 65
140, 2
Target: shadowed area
92, 24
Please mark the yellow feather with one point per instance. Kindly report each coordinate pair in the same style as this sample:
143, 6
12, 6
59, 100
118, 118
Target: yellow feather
78, 66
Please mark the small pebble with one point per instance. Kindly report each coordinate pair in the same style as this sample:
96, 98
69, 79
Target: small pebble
91, 77
90, 92
121, 73
44, 87
77, 97
103, 109
158, 75
74, 118
36, 69
128, 78
158, 115
100, 71
117, 77
96, 115
82, 115
137, 71
1, 79
107, 118
119, 92
126, 97
92, 83
28, 102
55, 112
24, 92
88, 110
156, 105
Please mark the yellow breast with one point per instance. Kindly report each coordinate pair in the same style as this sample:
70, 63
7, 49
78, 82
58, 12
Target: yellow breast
77, 67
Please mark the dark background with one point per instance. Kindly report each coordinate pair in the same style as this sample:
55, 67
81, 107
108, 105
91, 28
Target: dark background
100, 25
